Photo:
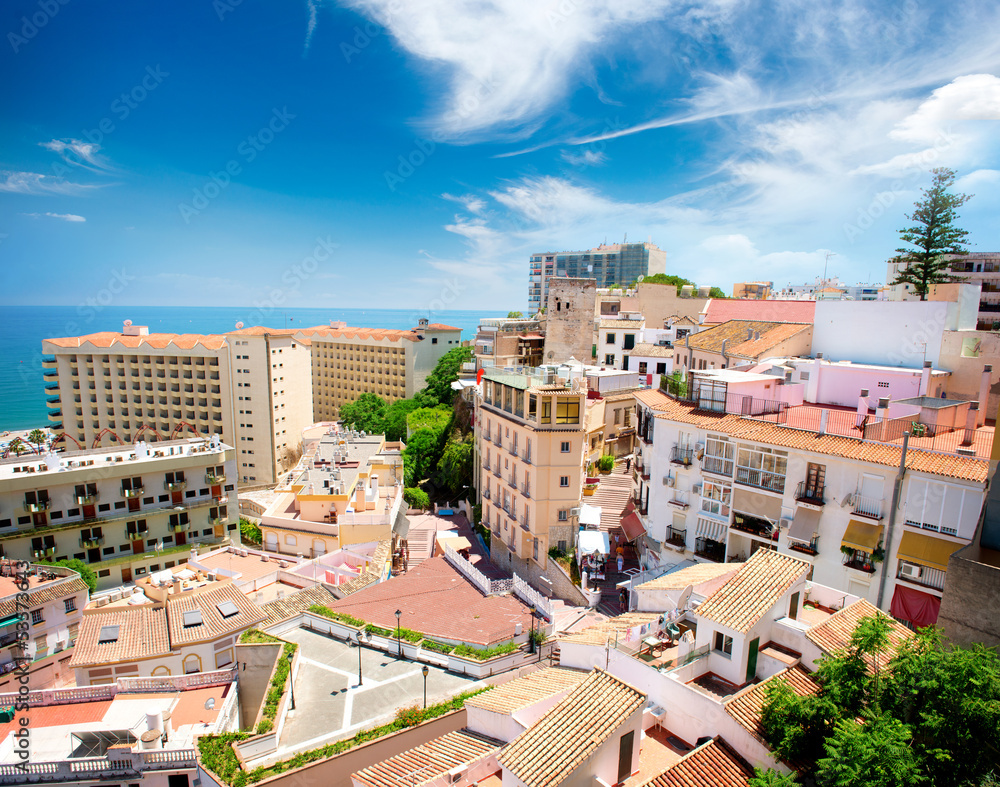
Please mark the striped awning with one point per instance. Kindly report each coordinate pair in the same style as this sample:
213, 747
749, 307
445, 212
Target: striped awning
862, 536
926, 550
710, 528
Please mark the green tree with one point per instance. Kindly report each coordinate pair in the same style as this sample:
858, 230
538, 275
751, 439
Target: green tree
86, 572
445, 373
932, 235
250, 532
395, 418
423, 450
454, 468
366, 413
36, 436
717, 292
436, 419
515, 316
874, 752
416, 498
771, 778
17, 446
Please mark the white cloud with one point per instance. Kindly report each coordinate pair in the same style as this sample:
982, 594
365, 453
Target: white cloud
470, 202
36, 183
504, 62
312, 6
79, 153
64, 216
587, 158
970, 97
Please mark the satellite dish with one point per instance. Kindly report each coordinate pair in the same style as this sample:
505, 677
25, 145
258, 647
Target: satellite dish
239, 326
640, 278
685, 596
128, 323
210, 703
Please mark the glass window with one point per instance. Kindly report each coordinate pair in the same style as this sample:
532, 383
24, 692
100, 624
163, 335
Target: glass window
610, 339
564, 447
546, 411
568, 412
564, 480
716, 497
723, 643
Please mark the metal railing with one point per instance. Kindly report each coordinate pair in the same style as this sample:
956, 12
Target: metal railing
867, 506
762, 479
922, 575
681, 456
810, 547
810, 493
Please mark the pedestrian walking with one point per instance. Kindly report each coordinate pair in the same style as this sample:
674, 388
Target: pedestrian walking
628, 464
621, 562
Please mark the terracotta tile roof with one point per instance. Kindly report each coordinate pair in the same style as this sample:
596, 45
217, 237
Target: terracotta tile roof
44, 594
372, 571
437, 326
721, 310
966, 468
213, 625
651, 351
599, 633
427, 589
623, 324
429, 761
834, 634
328, 334
620, 397
714, 764
284, 608
142, 634
519, 693
158, 341
550, 750
734, 334
260, 330
745, 707
692, 575
756, 587
64, 714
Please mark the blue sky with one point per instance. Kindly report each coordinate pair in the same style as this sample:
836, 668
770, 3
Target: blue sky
413, 153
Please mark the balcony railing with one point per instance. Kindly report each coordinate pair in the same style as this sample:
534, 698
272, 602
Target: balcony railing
91, 543
525, 490
135, 535
86, 500
762, 479
921, 575
677, 536
131, 494
810, 548
179, 527
681, 456
512, 450
710, 550
512, 482
755, 527
810, 493
486, 464
43, 553
486, 494
870, 507
496, 472
175, 486
216, 521
215, 478
526, 457
38, 506
860, 561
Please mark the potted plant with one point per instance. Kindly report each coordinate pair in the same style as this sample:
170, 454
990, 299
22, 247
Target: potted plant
589, 489
606, 464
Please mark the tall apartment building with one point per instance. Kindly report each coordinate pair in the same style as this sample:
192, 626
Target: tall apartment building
608, 264
250, 387
530, 442
125, 510
754, 290
721, 476
508, 342
977, 267
393, 364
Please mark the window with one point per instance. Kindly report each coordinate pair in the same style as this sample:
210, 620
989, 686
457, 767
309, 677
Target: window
716, 497
36, 617
762, 467
610, 339
723, 644
642, 367
563, 516
719, 454
546, 411
564, 447
564, 480
609, 360
629, 341
568, 412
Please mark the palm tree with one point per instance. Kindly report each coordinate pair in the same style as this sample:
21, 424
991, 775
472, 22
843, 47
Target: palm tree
17, 446
37, 436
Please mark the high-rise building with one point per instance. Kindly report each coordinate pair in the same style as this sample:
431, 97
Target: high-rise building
608, 264
250, 386
125, 510
393, 364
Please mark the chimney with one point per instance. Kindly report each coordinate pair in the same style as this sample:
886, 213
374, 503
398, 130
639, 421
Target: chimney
725, 342
862, 404
971, 420
882, 413
984, 394
749, 334
925, 379
819, 356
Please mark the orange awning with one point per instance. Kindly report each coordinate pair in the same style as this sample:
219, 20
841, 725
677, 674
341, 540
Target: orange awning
926, 550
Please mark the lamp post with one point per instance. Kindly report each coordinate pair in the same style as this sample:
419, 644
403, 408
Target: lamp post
291, 678
357, 634
425, 670
531, 636
399, 647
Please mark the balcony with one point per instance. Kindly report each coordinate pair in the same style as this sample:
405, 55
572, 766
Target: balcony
810, 548
52, 402
216, 521
512, 482
179, 527
92, 542
41, 554
215, 478
135, 535
486, 464
512, 450
810, 494
761, 479
487, 494
754, 526
526, 458
681, 456
870, 507
131, 494
718, 465
496, 471
526, 490
50, 374
86, 500
859, 561
677, 537
175, 486
710, 550
38, 507
922, 576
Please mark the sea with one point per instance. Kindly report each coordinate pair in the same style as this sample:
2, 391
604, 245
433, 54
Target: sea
22, 390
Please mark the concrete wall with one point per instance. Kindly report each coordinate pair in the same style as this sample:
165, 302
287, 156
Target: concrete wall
964, 353
972, 597
659, 301
256, 663
556, 584
336, 771
569, 320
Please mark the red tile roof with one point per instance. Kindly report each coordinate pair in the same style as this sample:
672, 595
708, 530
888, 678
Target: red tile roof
429, 761
424, 593
720, 310
321, 333
158, 341
142, 634
834, 634
437, 326
714, 764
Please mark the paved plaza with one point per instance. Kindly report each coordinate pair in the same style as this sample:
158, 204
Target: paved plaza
329, 704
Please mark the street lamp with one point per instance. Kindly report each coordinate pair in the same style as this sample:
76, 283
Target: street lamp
291, 678
360, 648
531, 637
399, 647
425, 670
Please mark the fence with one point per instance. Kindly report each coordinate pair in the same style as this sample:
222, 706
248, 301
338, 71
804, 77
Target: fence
495, 587
123, 764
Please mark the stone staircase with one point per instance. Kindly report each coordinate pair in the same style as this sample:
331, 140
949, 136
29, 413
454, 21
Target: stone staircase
420, 544
612, 495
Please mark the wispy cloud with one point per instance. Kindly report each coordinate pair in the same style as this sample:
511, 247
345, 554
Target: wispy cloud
63, 216
79, 153
312, 7
35, 183
470, 202
586, 158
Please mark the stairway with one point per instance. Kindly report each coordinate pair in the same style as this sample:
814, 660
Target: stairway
421, 546
612, 495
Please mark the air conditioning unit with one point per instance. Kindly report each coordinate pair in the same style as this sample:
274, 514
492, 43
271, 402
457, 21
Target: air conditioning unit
668, 480
574, 512
910, 570
696, 488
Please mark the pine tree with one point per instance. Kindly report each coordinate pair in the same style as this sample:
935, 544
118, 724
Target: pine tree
934, 234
